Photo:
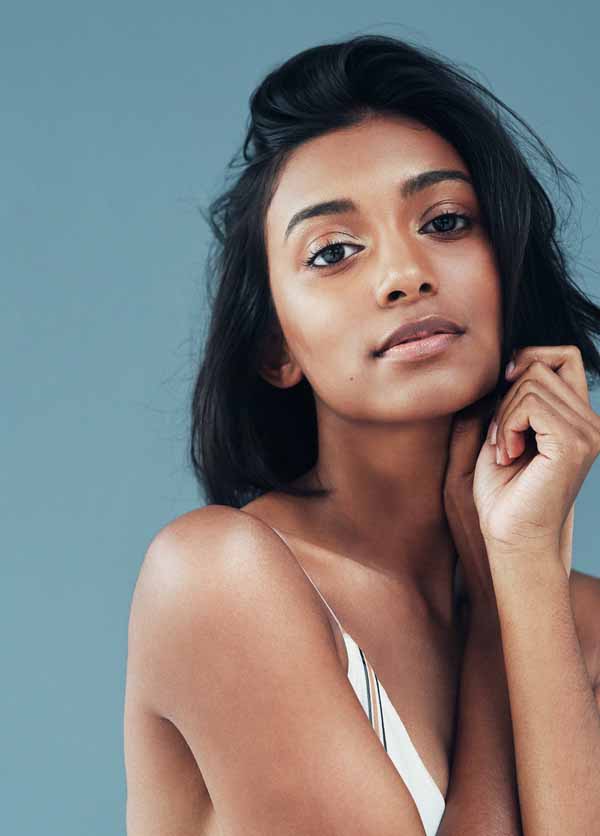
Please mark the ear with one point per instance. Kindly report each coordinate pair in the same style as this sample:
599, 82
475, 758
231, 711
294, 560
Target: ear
279, 366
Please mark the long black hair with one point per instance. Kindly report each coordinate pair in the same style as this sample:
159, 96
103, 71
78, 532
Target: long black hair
249, 437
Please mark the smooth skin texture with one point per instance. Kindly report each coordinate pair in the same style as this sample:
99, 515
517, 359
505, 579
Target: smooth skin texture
229, 643
239, 716
482, 796
383, 426
524, 497
527, 494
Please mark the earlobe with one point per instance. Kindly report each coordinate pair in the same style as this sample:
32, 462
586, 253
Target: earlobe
284, 377
279, 367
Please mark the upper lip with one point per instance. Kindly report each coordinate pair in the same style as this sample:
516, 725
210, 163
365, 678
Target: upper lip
424, 327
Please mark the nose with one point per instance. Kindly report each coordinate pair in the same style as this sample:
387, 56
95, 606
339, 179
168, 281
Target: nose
404, 284
404, 275
393, 289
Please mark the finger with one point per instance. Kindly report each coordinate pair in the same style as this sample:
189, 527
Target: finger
554, 423
554, 435
564, 360
572, 372
541, 379
511, 436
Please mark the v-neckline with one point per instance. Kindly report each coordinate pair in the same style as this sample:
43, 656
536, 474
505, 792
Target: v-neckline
393, 707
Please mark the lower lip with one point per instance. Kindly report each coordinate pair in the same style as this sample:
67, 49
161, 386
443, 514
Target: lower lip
419, 349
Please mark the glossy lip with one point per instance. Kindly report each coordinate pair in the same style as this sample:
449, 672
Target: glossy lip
419, 328
420, 349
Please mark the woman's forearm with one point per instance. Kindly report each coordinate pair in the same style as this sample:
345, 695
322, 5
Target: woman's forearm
482, 795
556, 723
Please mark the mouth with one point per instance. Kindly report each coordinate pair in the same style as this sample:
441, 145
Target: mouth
423, 335
419, 348
418, 330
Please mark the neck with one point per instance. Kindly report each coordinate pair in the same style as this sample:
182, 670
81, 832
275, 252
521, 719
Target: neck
385, 510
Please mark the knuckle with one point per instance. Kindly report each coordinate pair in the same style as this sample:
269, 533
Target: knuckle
528, 386
531, 397
580, 443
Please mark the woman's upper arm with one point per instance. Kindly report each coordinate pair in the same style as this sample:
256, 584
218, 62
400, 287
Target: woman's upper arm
231, 644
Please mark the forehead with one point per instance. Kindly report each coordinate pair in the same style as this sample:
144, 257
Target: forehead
372, 157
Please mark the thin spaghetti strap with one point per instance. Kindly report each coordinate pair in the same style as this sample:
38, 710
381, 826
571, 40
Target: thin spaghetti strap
311, 580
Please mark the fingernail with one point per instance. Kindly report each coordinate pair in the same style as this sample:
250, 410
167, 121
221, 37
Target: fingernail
497, 455
509, 368
492, 432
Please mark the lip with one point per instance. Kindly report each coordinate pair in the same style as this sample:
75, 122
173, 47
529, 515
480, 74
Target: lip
418, 329
420, 349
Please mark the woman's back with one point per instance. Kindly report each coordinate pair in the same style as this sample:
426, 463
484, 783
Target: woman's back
236, 688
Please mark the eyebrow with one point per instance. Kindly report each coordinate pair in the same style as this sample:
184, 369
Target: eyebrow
408, 188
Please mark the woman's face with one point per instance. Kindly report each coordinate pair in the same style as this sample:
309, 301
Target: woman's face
380, 265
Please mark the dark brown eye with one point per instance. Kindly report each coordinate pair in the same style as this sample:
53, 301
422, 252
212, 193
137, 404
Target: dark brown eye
332, 252
446, 223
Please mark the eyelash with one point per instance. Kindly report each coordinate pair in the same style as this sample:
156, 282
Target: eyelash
309, 262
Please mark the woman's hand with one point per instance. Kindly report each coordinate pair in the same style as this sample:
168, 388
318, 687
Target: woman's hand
483, 786
547, 437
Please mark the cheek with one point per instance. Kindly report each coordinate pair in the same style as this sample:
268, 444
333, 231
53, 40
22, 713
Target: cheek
487, 326
321, 325
316, 339
328, 352
475, 281
331, 348
483, 294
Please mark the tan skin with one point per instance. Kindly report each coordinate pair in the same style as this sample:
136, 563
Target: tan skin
383, 427
385, 537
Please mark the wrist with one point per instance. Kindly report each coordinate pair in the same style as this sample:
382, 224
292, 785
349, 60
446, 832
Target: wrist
516, 580
534, 547
535, 561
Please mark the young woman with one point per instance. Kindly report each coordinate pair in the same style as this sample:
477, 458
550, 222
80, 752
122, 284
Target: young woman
298, 660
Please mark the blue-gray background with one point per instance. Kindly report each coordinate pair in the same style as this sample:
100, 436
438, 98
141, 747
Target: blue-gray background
118, 121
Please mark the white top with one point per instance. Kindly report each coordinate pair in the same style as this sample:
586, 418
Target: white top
390, 730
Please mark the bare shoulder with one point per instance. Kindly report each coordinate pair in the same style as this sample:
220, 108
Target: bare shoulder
188, 594
229, 642
202, 546
210, 546
196, 532
585, 599
214, 569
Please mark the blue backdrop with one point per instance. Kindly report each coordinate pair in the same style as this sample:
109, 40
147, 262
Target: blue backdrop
119, 119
